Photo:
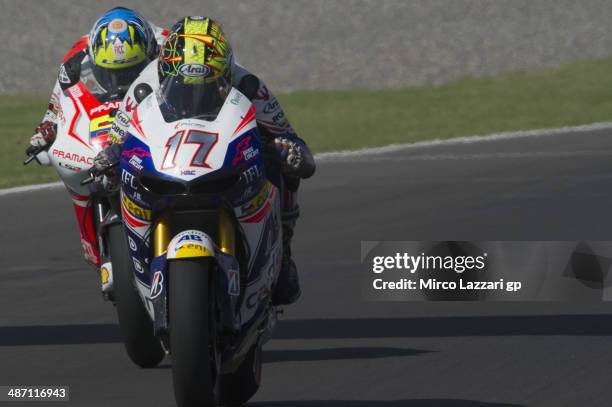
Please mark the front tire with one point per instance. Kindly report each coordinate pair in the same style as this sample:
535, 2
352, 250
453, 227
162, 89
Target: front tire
236, 388
192, 333
143, 348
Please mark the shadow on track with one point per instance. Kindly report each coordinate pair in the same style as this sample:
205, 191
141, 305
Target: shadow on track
375, 403
59, 334
521, 325
525, 325
305, 355
311, 355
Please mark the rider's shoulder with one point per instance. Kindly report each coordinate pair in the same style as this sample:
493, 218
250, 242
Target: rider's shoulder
239, 72
78, 49
70, 69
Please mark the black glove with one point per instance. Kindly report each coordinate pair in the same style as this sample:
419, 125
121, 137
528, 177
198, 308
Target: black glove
104, 164
107, 158
295, 156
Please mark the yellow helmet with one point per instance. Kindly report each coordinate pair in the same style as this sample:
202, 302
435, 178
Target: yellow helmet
195, 69
196, 50
121, 38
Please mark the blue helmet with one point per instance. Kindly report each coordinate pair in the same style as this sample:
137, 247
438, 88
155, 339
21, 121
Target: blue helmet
121, 38
120, 44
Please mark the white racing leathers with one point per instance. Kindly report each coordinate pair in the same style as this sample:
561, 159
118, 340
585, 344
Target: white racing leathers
75, 63
75, 73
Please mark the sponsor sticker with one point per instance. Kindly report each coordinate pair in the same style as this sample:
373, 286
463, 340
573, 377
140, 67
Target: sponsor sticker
127, 178
136, 162
137, 265
191, 244
250, 174
244, 151
271, 107
157, 284
132, 244
122, 118
130, 104
191, 250
139, 151
74, 157
76, 91
194, 70
104, 275
236, 99
63, 76
106, 106
117, 25
136, 210
190, 238
119, 48
233, 287
254, 204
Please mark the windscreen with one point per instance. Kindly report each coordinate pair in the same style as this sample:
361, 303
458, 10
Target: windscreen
179, 100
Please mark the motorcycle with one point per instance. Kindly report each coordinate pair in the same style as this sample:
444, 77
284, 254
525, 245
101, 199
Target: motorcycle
200, 204
85, 115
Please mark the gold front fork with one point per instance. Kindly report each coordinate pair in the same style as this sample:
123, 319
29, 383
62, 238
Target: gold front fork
161, 235
227, 234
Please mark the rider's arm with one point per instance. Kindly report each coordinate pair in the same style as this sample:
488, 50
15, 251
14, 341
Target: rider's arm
271, 117
277, 130
46, 131
68, 75
53, 106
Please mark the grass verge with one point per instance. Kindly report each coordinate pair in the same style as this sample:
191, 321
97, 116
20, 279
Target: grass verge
573, 94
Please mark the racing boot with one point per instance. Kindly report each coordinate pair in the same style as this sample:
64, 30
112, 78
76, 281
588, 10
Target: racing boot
287, 290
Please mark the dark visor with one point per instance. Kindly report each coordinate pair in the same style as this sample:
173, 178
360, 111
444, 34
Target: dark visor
184, 101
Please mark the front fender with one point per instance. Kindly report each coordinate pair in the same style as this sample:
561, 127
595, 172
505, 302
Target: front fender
190, 244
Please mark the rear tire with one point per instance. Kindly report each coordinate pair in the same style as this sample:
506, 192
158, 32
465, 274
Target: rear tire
236, 388
192, 333
143, 348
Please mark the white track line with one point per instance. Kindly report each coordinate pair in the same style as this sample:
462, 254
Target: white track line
29, 188
332, 156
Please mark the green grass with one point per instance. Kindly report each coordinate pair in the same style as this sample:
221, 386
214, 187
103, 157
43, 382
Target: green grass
19, 116
574, 94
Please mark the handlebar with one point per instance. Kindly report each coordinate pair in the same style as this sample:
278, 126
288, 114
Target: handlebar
93, 174
32, 152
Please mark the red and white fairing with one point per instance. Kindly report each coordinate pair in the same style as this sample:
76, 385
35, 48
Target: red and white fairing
82, 131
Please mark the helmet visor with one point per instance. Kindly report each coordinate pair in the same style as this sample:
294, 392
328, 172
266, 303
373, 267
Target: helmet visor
178, 100
117, 81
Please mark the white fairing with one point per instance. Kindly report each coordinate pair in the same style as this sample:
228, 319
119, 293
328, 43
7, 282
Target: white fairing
260, 218
179, 163
72, 153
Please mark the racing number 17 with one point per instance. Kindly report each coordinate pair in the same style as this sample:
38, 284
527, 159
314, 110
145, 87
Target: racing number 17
205, 141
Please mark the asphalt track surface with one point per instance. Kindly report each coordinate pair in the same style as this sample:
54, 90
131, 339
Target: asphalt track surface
334, 349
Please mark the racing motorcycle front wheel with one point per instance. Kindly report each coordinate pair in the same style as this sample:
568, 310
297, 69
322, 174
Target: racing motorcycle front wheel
143, 348
195, 362
236, 388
